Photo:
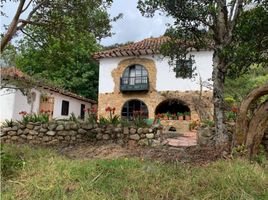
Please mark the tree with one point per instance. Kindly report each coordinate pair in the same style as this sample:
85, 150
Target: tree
62, 54
202, 24
40, 14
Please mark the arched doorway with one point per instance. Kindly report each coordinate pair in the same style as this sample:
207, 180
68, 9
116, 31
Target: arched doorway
172, 106
134, 108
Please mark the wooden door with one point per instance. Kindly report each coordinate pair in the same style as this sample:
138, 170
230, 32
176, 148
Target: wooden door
47, 105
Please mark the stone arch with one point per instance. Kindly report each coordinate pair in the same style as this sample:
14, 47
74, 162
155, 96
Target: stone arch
172, 106
134, 107
148, 64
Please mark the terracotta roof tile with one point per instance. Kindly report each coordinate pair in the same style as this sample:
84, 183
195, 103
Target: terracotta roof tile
12, 72
145, 47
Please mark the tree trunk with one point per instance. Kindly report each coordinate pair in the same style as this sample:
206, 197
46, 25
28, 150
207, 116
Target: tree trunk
257, 126
218, 77
242, 122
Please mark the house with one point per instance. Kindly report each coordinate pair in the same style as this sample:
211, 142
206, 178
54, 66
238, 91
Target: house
136, 77
20, 93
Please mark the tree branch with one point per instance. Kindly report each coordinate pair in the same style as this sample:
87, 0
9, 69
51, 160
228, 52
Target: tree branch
12, 27
27, 6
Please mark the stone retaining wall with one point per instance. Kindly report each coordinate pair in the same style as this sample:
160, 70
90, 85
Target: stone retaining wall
66, 133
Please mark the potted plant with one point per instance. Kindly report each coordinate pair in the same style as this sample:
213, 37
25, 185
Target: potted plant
180, 116
169, 115
165, 116
187, 116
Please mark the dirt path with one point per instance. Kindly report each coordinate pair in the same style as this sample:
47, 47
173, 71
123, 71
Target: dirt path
163, 154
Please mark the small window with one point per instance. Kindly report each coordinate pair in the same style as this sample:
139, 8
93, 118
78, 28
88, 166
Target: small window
184, 68
82, 111
65, 108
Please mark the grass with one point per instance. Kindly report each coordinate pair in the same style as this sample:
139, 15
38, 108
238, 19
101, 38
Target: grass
47, 175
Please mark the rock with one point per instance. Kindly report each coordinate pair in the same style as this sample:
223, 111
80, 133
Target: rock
205, 132
118, 135
6, 129
22, 126
79, 136
106, 137
26, 131
134, 137
73, 138
158, 133
37, 123
150, 130
36, 128
156, 143
44, 125
63, 133
11, 133
51, 133
60, 127
23, 136
99, 136
19, 132
125, 131
74, 126
30, 126
139, 131
33, 132
2, 134
143, 142
145, 130
29, 137
72, 133
67, 138
81, 131
51, 127
150, 135
132, 131
118, 130
121, 142
143, 136
14, 128
67, 126
43, 130
14, 138
87, 126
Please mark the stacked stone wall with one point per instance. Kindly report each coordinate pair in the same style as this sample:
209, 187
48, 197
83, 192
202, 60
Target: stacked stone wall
67, 133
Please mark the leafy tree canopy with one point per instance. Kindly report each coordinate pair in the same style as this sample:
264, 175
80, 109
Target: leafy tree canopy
62, 53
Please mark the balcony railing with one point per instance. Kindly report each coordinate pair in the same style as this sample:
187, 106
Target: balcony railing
138, 83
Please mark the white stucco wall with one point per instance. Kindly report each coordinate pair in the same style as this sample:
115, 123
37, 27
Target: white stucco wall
74, 105
7, 99
165, 78
13, 102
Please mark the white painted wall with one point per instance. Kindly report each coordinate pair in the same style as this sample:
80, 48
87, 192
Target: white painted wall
165, 78
7, 99
13, 101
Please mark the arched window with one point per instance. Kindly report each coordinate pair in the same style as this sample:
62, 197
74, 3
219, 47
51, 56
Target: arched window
134, 108
135, 74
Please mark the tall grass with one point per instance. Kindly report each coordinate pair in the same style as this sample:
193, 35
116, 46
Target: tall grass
47, 175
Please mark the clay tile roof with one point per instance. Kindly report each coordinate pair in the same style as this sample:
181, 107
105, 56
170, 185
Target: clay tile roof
12, 72
145, 47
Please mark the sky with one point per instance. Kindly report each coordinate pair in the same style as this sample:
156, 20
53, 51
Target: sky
132, 27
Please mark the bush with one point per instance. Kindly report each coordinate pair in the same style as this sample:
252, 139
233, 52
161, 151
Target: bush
9, 123
43, 118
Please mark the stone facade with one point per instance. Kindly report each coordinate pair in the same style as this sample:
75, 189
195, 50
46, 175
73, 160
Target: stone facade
57, 133
152, 98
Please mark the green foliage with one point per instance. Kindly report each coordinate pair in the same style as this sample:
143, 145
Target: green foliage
104, 121
62, 53
114, 120
8, 123
239, 151
209, 123
230, 116
43, 118
73, 118
186, 113
179, 114
260, 158
11, 162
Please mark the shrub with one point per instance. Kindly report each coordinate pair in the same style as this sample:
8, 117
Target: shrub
9, 123
73, 117
209, 123
43, 118
230, 116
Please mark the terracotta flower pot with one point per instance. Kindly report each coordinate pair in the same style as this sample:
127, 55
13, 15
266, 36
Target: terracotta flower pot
187, 117
180, 118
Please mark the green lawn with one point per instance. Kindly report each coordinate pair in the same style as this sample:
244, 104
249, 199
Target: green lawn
47, 175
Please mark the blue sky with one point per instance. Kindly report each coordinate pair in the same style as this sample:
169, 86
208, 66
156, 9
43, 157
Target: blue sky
132, 27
